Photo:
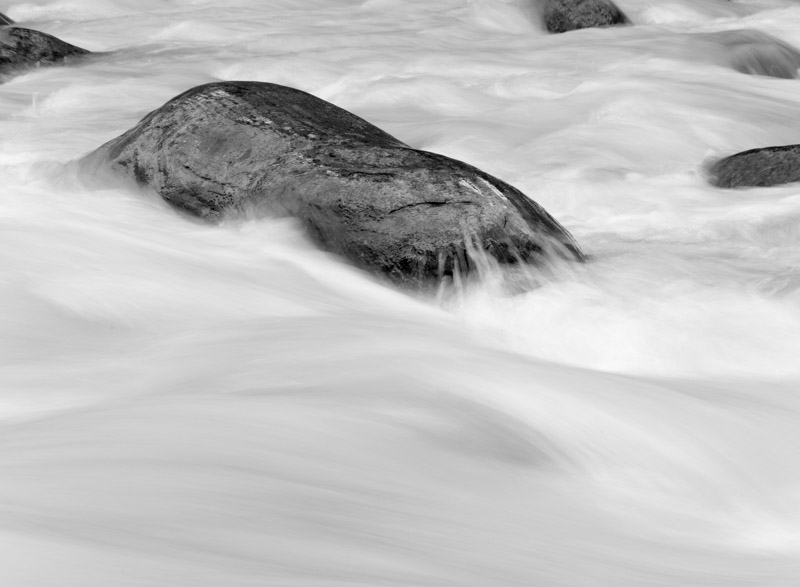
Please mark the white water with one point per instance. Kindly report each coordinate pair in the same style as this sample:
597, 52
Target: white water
193, 405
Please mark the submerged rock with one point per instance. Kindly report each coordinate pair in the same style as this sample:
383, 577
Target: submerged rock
744, 50
23, 48
261, 149
757, 167
560, 16
758, 53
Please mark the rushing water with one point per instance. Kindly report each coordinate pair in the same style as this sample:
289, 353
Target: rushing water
204, 406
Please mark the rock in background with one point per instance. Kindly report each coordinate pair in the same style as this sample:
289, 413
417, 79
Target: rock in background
560, 16
261, 149
757, 167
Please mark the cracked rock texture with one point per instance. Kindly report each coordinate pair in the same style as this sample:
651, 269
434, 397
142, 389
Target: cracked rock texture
560, 16
24, 48
757, 167
260, 149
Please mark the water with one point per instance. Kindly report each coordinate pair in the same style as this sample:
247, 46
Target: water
193, 405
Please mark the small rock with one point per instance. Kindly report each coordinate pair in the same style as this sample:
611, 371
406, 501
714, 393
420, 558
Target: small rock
260, 149
757, 167
561, 16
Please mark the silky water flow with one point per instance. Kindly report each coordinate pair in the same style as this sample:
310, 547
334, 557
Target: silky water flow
183, 404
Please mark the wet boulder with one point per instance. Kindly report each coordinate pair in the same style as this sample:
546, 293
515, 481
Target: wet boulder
24, 48
252, 149
757, 167
560, 16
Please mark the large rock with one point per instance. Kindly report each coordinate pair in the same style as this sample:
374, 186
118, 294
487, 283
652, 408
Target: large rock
23, 48
4, 20
251, 148
560, 16
757, 167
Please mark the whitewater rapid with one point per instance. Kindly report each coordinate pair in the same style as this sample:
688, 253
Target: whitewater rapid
183, 404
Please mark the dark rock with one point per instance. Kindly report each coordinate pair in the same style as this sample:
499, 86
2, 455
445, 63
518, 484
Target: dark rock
758, 53
757, 167
260, 149
4, 20
560, 16
24, 48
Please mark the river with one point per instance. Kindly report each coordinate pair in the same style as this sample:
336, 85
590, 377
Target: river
192, 405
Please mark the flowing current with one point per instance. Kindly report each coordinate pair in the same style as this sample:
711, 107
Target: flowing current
183, 404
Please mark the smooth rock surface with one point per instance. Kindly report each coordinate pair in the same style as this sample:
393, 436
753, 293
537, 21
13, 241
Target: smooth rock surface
757, 167
252, 148
24, 48
560, 16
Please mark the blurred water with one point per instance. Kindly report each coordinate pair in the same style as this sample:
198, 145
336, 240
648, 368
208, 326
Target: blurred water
191, 405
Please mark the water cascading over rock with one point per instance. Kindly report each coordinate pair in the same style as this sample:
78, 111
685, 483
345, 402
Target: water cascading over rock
756, 53
262, 149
